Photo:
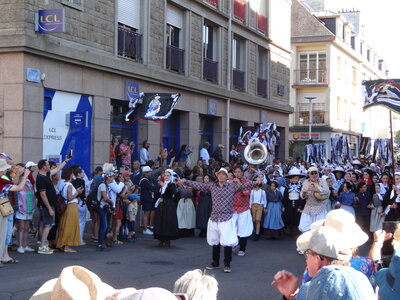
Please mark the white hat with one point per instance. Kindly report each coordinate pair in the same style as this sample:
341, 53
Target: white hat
356, 162
222, 170
4, 165
30, 164
339, 169
329, 242
221, 146
146, 169
294, 172
343, 222
311, 169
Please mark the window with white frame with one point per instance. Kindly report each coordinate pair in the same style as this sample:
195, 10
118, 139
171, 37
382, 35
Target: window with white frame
174, 26
238, 53
74, 3
312, 67
210, 41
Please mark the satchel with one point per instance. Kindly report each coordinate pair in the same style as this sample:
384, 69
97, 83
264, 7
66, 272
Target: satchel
61, 206
5, 207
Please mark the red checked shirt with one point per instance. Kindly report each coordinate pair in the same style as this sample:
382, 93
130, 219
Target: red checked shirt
221, 196
241, 201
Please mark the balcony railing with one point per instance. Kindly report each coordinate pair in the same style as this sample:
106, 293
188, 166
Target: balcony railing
311, 77
319, 117
175, 59
129, 43
210, 70
262, 87
238, 80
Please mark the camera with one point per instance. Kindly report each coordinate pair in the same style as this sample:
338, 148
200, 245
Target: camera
109, 209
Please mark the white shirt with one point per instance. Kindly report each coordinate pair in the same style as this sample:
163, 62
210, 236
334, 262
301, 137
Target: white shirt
258, 197
144, 156
204, 155
65, 193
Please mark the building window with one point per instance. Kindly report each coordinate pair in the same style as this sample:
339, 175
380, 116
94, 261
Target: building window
238, 54
239, 9
262, 19
78, 4
129, 38
312, 68
318, 113
210, 63
263, 63
212, 2
339, 108
175, 55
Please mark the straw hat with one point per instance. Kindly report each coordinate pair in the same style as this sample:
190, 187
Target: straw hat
223, 170
294, 172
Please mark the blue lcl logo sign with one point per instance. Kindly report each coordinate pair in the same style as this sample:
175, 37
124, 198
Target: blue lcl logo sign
50, 21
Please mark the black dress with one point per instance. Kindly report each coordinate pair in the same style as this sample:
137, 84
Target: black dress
203, 211
291, 217
165, 221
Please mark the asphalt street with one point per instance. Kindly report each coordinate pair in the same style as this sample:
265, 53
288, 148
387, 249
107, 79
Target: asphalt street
143, 264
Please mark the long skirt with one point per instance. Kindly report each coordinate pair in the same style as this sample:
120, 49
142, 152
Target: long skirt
349, 209
306, 220
186, 214
376, 219
203, 211
273, 219
82, 210
68, 228
165, 221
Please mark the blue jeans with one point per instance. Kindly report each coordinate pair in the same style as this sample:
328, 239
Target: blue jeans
103, 225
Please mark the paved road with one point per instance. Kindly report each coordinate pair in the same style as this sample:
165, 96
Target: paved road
143, 265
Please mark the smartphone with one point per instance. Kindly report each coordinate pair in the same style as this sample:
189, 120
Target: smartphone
69, 154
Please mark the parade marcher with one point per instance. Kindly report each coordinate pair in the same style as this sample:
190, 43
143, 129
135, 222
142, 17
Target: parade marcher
377, 215
204, 208
166, 221
273, 220
339, 173
391, 201
185, 211
346, 198
364, 200
292, 202
258, 204
221, 228
315, 208
241, 212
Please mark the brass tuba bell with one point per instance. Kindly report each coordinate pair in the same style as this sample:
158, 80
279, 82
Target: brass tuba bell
255, 153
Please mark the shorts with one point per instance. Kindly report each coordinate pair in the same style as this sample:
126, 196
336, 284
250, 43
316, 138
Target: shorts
257, 211
45, 217
148, 205
118, 214
131, 226
222, 233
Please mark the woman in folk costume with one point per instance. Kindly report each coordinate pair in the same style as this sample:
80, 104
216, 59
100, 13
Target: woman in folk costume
185, 210
339, 173
292, 202
204, 208
391, 201
166, 221
273, 220
314, 191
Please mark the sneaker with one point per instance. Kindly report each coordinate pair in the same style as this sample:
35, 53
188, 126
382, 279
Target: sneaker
227, 269
45, 250
29, 249
21, 250
241, 253
148, 231
212, 266
102, 248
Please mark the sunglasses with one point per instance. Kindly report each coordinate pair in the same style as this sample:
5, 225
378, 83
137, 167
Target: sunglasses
313, 173
308, 253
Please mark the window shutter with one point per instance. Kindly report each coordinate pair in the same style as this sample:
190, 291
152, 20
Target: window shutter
129, 13
174, 16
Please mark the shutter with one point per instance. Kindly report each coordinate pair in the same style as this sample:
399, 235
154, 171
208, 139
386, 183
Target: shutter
129, 13
174, 16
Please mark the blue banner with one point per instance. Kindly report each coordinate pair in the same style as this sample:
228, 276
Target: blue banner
50, 21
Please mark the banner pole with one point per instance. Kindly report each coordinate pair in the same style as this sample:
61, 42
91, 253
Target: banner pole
161, 143
391, 141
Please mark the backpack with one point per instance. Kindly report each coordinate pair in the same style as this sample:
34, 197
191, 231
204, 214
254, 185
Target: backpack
92, 202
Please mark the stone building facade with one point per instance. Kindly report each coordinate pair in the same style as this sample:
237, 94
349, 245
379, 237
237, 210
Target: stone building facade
161, 46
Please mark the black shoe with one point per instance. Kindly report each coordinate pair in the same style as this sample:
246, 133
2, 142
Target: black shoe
256, 237
212, 266
227, 269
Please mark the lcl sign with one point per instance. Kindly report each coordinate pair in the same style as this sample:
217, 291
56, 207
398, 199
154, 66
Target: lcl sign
50, 21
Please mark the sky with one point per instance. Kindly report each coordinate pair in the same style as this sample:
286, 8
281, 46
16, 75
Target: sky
381, 19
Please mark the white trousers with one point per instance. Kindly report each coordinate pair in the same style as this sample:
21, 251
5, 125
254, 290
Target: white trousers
244, 223
222, 233
306, 220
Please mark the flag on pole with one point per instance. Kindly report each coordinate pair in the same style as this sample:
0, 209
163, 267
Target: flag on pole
155, 106
384, 92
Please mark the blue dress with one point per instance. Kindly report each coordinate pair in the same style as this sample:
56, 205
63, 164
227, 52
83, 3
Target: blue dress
273, 219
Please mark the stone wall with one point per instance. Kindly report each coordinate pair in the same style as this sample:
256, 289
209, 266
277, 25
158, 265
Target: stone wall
196, 45
157, 25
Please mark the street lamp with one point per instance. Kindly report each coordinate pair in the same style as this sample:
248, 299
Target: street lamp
310, 119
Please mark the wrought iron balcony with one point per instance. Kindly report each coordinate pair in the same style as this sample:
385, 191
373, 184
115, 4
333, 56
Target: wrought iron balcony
238, 80
175, 59
311, 77
210, 70
262, 87
129, 43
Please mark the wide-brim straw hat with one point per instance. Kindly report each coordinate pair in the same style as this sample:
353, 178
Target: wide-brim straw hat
294, 172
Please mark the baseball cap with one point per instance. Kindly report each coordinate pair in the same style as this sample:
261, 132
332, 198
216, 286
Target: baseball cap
30, 164
146, 169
